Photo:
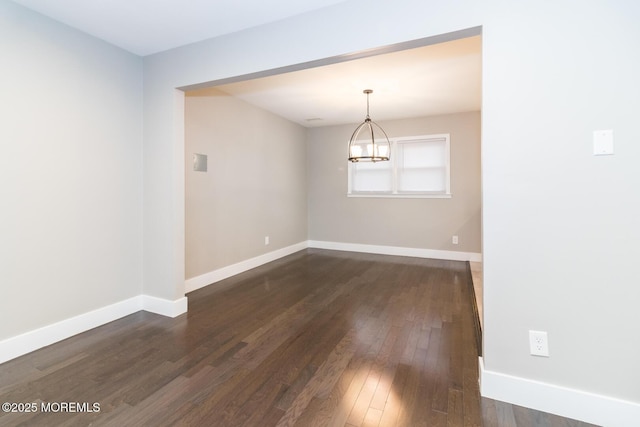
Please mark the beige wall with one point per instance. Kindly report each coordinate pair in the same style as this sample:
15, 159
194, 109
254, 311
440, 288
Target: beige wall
255, 185
412, 223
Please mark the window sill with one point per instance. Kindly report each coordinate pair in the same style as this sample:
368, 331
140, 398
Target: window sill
400, 196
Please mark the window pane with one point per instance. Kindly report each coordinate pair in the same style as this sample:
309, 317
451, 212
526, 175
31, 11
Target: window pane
425, 179
422, 166
369, 176
418, 154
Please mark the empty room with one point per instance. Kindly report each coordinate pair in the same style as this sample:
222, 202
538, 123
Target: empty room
194, 232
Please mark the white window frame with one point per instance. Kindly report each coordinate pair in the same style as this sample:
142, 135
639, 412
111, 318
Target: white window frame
394, 192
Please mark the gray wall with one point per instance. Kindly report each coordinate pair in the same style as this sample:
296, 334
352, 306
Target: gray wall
70, 172
560, 224
255, 185
411, 223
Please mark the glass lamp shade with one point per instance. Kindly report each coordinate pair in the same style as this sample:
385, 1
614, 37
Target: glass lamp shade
369, 143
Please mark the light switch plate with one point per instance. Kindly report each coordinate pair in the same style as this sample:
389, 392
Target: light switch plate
602, 142
200, 162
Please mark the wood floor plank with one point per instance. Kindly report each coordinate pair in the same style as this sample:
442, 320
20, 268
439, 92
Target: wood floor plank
455, 413
321, 410
343, 411
324, 379
362, 403
441, 384
394, 402
504, 414
383, 390
315, 339
372, 418
296, 386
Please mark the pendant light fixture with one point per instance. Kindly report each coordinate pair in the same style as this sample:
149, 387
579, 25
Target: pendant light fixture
369, 142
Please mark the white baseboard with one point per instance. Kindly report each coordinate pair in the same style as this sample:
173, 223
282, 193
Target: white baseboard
396, 250
25, 343
22, 344
566, 402
163, 306
240, 267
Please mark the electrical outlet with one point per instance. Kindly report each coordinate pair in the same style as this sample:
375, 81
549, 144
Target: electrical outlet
538, 343
454, 240
266, 240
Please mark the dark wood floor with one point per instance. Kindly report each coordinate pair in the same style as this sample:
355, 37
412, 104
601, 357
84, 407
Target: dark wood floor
318, 338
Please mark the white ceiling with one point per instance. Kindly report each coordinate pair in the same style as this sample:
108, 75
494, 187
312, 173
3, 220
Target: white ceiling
442, 78
149, 26
437, 79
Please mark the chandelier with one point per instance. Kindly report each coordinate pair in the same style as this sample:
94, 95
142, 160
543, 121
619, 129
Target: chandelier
369, 142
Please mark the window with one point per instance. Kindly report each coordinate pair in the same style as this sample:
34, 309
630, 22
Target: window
419, 167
